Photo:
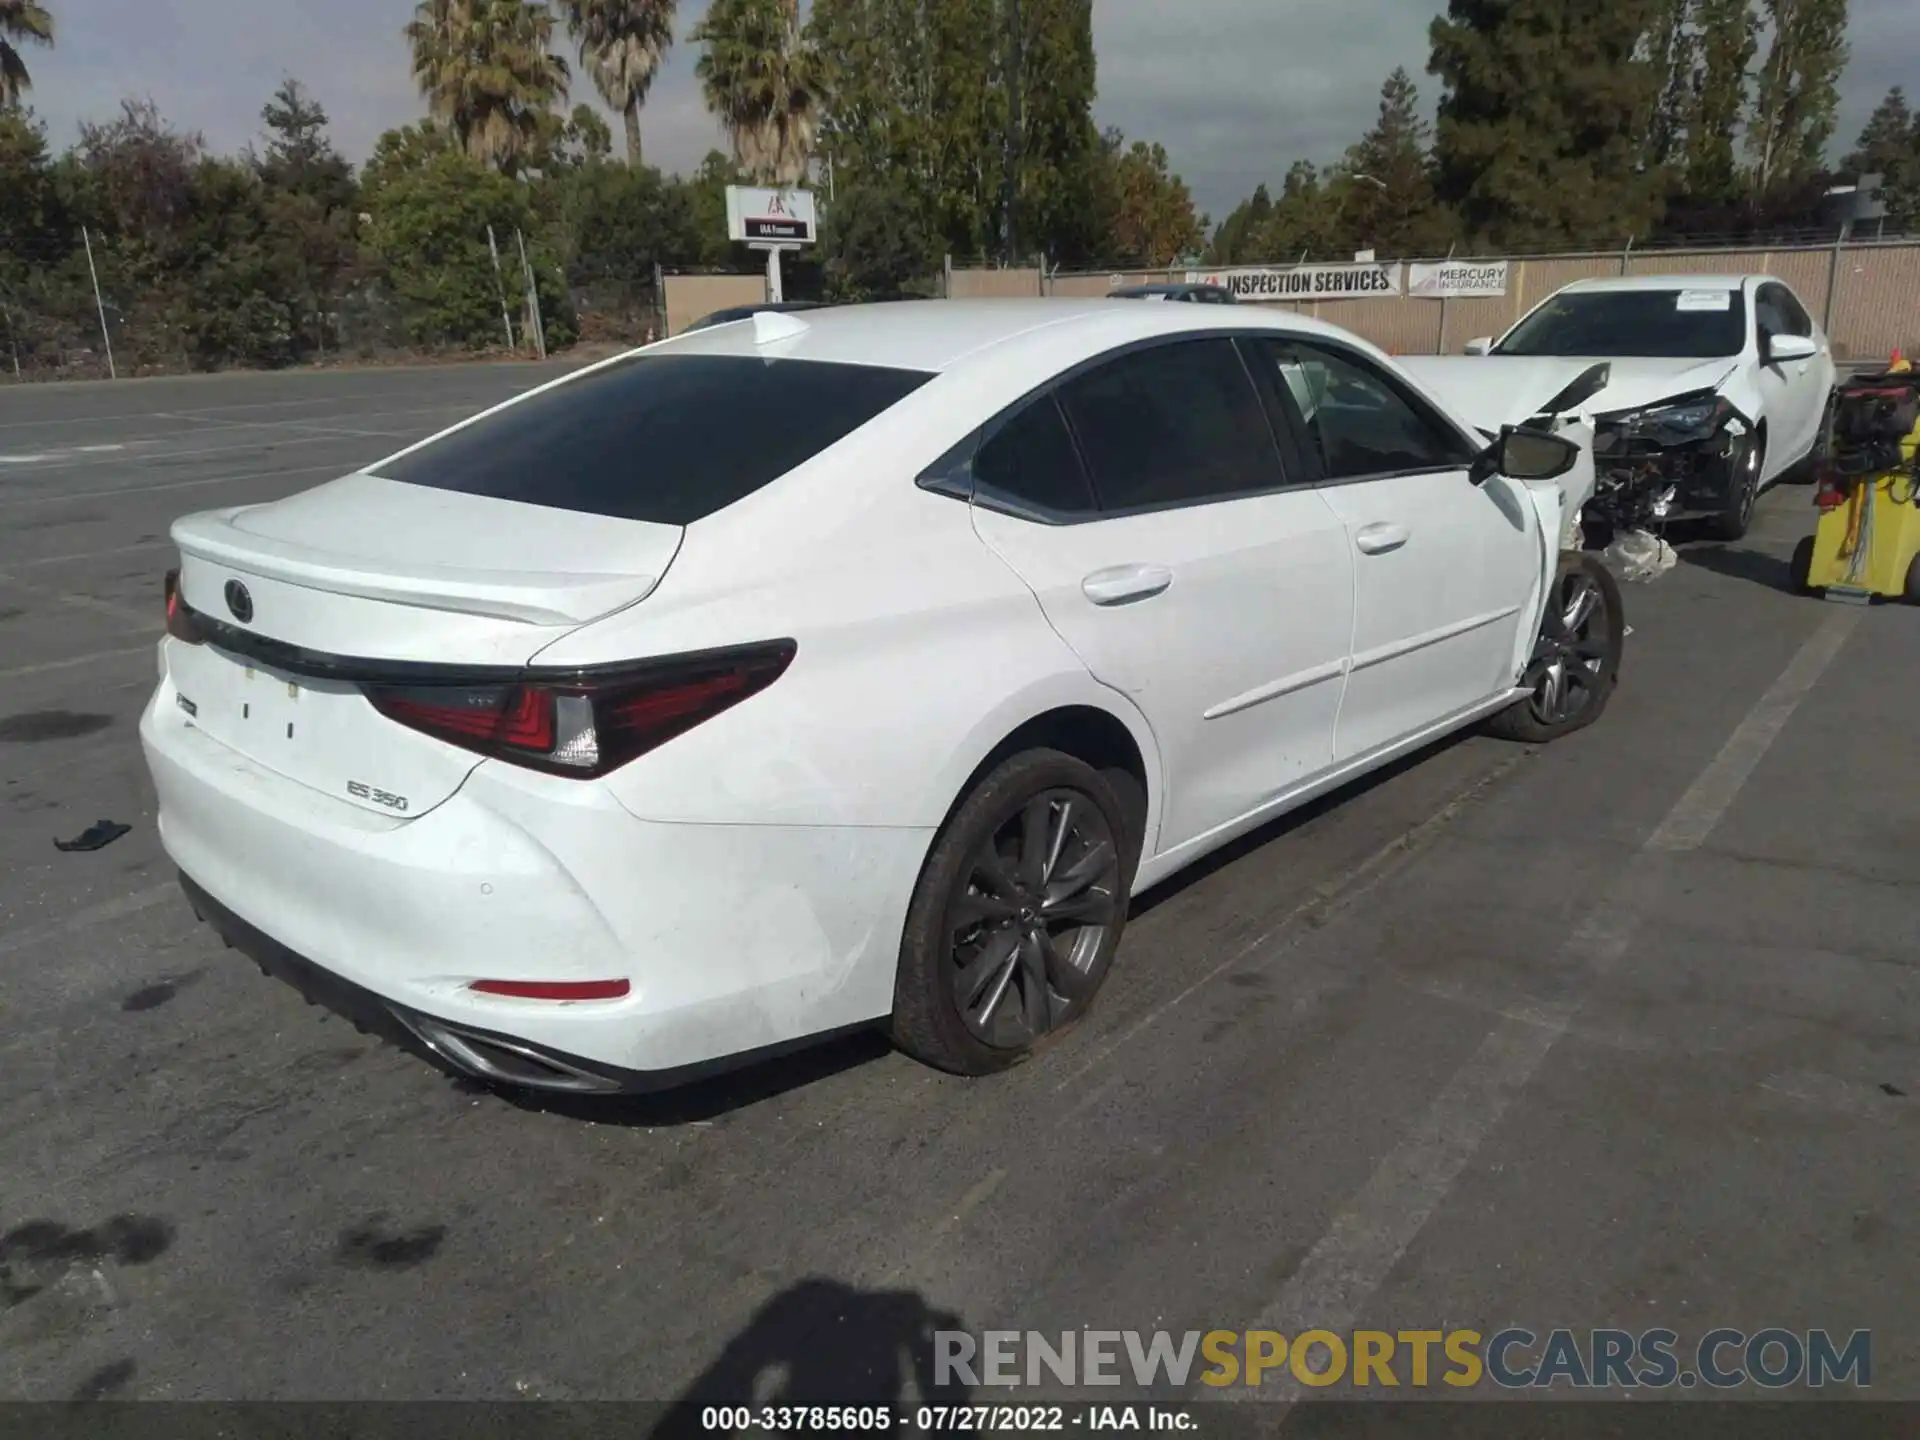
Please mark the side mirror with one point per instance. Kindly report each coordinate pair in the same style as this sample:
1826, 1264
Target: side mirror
1482, 346
1781, 348
1526, 455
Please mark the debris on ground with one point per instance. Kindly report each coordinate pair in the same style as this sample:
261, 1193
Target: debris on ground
1639, 555
96, 836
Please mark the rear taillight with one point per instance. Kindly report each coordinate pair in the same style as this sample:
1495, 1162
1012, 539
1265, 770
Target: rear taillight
585, 726
180, 622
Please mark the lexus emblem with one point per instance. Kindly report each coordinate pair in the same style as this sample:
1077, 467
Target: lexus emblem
239, 601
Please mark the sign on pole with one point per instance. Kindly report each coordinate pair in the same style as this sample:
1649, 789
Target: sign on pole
1454, 279
770, 217
1303, 282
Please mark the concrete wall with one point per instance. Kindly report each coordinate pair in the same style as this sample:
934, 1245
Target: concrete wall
693, 297
1868, 294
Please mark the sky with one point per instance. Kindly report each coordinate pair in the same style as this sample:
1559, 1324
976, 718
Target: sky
1235, 89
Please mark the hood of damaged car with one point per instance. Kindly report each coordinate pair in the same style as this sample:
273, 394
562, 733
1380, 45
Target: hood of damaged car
1496, 390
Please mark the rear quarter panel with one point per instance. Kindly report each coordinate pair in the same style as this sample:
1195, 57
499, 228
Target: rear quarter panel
919, 651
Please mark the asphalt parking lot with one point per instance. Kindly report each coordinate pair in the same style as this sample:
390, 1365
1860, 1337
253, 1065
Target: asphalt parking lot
1617, 1033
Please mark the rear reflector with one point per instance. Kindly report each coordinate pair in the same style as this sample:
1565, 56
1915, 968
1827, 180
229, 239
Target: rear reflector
554, 989
585, 726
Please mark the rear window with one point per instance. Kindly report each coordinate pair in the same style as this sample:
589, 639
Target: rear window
663, 438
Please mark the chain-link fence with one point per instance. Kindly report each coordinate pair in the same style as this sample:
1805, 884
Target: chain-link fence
109, 307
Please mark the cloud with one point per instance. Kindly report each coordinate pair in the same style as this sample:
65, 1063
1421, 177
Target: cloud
1236, 89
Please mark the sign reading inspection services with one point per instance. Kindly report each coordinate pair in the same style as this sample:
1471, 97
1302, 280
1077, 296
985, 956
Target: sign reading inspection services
1456, 278
1303, 282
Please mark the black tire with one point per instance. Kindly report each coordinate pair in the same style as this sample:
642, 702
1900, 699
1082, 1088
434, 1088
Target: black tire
973, 901
1913, 581
1808, 470
1588, 656
1800, 568
1745, 464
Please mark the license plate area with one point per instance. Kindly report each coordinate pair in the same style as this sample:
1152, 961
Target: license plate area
321, 733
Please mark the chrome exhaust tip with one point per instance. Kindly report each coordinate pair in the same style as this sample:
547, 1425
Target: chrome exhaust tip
505, 1062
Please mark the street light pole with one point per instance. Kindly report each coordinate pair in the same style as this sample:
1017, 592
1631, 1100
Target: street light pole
1016, 76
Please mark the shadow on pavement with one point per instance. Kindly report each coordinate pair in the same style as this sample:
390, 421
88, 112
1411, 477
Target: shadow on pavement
1751, 565
704, 1100
823, 1343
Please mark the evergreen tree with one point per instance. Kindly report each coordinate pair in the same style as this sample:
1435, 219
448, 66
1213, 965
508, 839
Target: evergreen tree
1536, 143
1387, 200
1728, 37
1889, 147
1798, 92
1057, 157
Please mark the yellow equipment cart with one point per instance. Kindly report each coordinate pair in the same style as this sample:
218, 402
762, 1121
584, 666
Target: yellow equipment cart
1867, 543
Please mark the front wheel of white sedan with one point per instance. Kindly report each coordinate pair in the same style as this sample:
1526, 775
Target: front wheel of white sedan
1017, 914
1576, 657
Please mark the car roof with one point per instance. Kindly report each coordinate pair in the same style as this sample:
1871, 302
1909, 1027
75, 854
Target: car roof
1665, 282
910, 335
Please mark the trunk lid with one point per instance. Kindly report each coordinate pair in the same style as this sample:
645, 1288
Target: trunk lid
392, 576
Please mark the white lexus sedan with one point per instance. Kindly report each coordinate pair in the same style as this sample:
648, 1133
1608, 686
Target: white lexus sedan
820, 671
1720, 386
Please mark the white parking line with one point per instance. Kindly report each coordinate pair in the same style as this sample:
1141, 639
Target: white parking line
74, 662
71, 558
166, 485
1366, 1240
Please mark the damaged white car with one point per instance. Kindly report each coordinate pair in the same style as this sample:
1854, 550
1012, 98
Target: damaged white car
1718, 386
603, 740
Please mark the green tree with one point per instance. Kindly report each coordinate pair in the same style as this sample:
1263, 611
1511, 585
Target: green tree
1536, 143
1889, 146
913, 109
622, 43
1057, 154
1384, 190
430, 204
1149, 216
488, 73
309, 202
876, 243
1238, 237
761, 79
1727, 39
1798, 91
21, 22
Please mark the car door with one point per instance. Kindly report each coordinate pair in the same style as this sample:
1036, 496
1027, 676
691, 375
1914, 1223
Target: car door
1794, 392
1444, 568
1145, 502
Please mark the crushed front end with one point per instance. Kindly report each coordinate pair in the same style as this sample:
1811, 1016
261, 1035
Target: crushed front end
1663, 462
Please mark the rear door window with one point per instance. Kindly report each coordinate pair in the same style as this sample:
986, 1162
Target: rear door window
663, 438
1177, 424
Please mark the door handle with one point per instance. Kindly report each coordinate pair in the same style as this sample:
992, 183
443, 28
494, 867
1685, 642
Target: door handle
1379, 539
1125, 584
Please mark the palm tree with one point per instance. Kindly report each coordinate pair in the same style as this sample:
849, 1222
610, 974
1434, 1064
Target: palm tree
763, 81
622, 43
20, 20
487, 71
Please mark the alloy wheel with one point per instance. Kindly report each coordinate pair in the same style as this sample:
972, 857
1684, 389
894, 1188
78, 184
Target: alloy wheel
1747, 479
1570, 660
1029, 916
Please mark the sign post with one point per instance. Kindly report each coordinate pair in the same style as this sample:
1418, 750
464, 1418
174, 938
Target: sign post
774, 221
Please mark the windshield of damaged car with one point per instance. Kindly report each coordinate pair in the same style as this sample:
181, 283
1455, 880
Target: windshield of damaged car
1665, 324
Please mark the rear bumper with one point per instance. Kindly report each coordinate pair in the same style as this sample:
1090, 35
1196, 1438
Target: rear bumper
493, 1056
737, 941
